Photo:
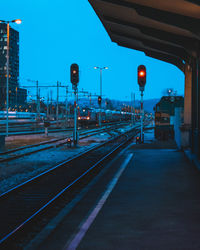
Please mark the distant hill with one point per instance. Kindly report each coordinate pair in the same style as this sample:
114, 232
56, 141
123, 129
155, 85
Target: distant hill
116, 104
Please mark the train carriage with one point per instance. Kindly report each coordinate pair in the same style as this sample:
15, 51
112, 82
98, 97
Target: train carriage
164, 113
88, 116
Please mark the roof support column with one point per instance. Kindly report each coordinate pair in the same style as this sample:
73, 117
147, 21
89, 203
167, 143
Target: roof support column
185, 129
198, 80
194, 129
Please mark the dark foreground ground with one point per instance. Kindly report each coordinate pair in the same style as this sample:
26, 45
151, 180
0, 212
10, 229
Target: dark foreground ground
154, 205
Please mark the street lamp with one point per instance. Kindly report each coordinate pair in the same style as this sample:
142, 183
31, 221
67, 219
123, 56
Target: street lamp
100, 69
17, 21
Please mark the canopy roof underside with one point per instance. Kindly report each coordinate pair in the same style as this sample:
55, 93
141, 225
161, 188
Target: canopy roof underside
165, 30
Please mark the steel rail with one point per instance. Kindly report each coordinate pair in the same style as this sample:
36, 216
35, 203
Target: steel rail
70, 160
50, 141
51, 130
23, 185
87, 133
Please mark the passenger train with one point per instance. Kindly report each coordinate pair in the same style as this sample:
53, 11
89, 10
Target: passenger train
87, 116
20, 115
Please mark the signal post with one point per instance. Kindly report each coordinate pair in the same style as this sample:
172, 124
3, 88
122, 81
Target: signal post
74, 72
142, 82
99, 102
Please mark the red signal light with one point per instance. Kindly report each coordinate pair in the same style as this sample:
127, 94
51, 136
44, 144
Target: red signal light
141, 73
142, 76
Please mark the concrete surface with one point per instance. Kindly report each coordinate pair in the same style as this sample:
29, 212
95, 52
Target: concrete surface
155, 205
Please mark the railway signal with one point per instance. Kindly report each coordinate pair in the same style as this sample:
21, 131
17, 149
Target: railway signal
141, 71
74, 74
99, 100
141, 77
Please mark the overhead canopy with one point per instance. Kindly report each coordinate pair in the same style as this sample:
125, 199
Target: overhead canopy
166, 30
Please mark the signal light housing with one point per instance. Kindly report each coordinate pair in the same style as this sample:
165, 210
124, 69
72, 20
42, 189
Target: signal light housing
74, 74
141, 76
99, 100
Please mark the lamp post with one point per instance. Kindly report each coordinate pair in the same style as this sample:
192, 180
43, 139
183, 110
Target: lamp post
17, 21
100, 69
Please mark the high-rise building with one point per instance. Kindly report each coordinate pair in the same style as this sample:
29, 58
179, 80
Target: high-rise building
16, 95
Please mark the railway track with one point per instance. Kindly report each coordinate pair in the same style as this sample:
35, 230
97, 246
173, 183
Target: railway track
40, 129
30, 202
31, 149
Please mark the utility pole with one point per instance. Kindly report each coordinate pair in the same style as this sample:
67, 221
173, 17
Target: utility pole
48, 105
132, 109
90, 100
16, 89
57, 102
51, 107
7, 77
38, 101
66, 106
100, 97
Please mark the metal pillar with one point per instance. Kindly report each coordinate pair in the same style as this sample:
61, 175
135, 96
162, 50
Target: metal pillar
101, 97
57, 103
16, 89
7, 78
186, 127
187, 96
47, 105
132, 110
75, 137
66, 106
100, 105
142, 119
90, 100
194, 130
198, 80
38, 101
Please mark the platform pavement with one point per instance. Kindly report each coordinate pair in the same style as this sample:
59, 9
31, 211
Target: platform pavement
155, 204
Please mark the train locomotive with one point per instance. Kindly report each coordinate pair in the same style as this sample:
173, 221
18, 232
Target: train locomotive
86, 116
164, 114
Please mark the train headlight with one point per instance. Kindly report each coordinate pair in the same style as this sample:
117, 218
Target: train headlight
79, 118
88, 118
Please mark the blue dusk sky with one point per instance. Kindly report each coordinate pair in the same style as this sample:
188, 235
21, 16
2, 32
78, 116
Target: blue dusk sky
55, 34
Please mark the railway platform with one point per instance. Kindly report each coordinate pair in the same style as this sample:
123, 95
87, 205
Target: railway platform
151, 201
154, 204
